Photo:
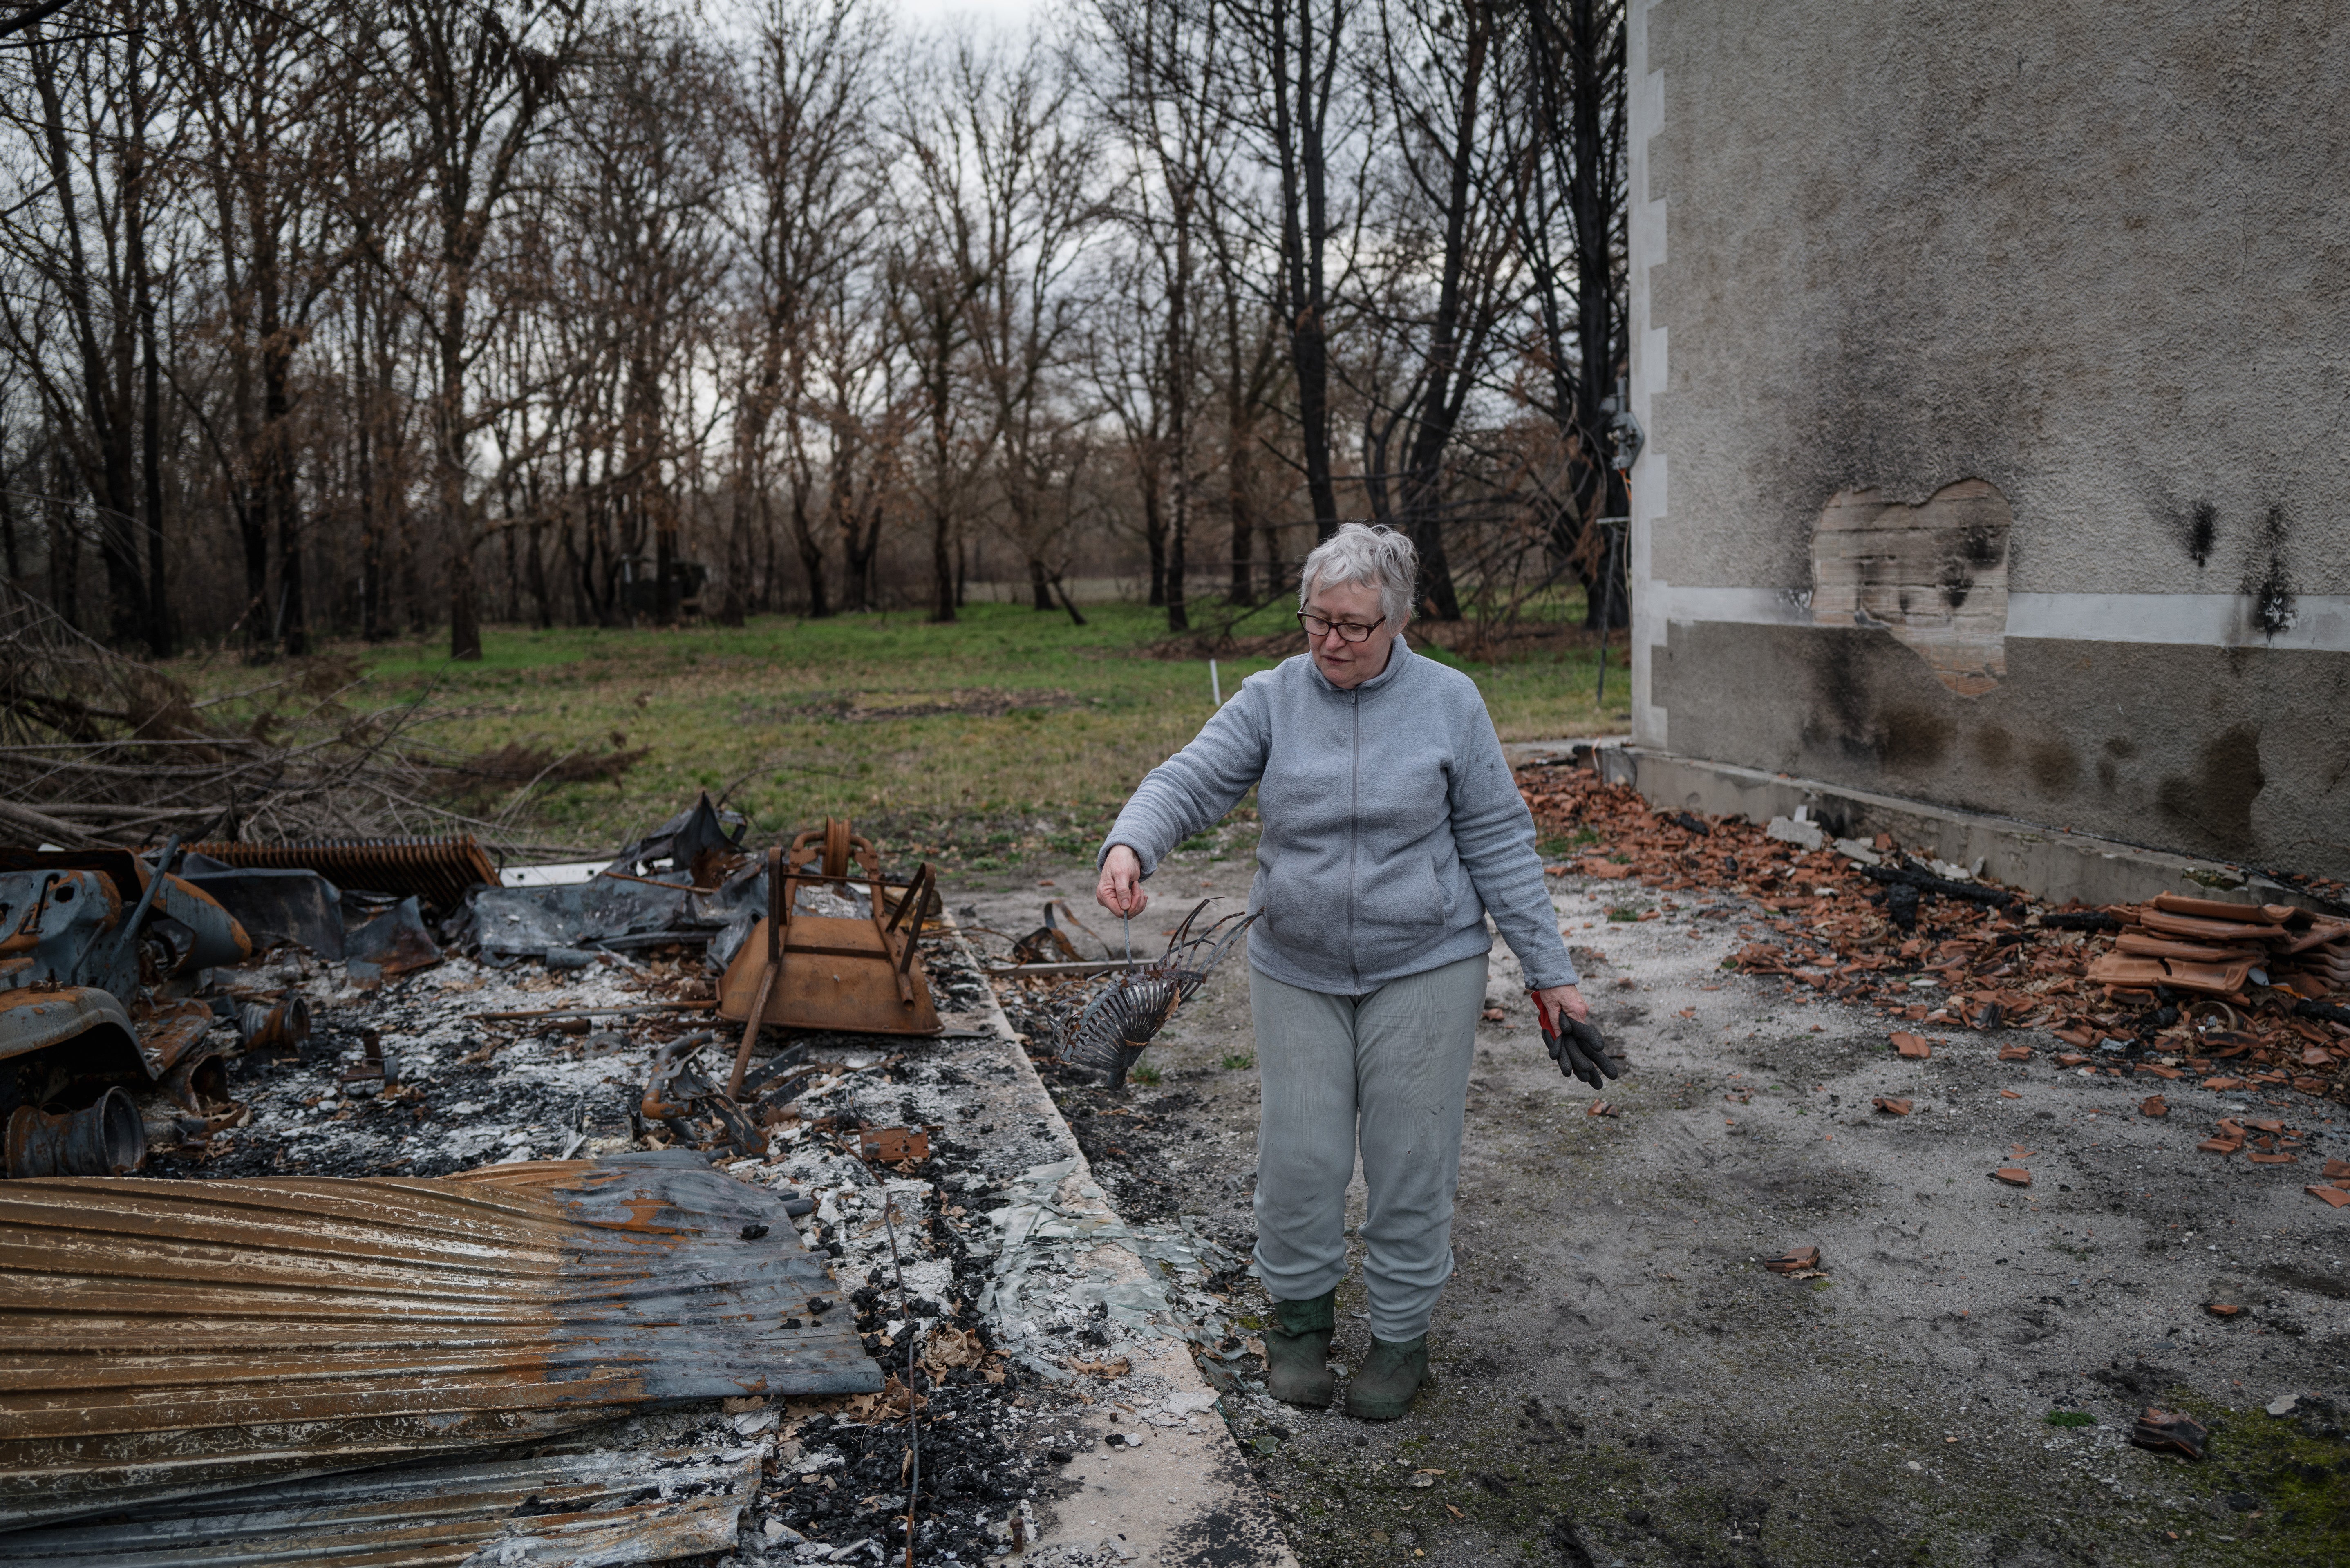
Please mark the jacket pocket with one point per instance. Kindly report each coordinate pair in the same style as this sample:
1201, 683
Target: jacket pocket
1447, 889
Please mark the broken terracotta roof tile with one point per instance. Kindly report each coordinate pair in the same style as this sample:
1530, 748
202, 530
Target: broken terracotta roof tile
2193, 927
2221, 1309
2337, 1170
2137, 944
2216, 909
1794, 1259
2334, 1196
1912, 1046
2220, 1145
2015, 1053
2154, 1106
2013, 1174
1892, 1107
2258, 1159
2009, 1095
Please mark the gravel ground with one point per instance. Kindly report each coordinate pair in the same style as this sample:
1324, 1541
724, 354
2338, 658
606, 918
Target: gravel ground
1617, 1379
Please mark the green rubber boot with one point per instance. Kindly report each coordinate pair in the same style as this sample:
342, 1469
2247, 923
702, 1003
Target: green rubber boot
1297, 1351
1390, 1380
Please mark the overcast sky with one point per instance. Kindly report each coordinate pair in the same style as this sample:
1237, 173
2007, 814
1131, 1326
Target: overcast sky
1013, 13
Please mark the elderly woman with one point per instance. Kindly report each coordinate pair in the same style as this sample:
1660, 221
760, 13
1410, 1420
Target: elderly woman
1391, 829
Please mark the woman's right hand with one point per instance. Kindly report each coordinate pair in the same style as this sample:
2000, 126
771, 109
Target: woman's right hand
1120, 889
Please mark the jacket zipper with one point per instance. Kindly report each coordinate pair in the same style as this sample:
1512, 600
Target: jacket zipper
1354, 831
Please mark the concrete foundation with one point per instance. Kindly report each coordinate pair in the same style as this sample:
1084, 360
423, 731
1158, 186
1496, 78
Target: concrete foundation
2045, 862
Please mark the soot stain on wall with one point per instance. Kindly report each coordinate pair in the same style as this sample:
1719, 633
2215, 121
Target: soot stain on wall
2201, 533
2117, 750
2055, 768
2268, 579
1914, 738
1841, 689
2214, 803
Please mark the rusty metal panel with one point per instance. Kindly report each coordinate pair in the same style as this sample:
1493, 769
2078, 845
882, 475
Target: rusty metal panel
35, 1020
599, 1506
887, 1146
837, 974
438, 871
164, 1339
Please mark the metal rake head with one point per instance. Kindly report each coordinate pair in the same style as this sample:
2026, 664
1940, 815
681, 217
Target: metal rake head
1126, 1014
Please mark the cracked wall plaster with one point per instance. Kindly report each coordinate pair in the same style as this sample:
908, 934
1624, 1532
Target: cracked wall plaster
1934, 575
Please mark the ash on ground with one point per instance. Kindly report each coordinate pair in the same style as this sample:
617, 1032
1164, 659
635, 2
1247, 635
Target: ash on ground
995, 1375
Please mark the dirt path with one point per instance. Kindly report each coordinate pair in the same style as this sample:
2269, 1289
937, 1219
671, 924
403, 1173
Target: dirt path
1618, 1380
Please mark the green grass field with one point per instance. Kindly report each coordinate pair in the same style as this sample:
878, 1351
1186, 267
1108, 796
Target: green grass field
1004, 735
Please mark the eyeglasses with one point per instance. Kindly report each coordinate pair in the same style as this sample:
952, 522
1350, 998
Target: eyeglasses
1347, 630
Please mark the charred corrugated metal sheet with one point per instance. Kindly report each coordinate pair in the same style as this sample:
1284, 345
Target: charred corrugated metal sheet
173, 1338
602, 1506
439, 871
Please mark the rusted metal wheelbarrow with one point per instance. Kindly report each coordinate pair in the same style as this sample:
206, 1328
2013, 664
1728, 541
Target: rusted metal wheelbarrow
824, 972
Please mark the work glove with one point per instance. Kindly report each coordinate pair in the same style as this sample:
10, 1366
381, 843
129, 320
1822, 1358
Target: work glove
1576, 1046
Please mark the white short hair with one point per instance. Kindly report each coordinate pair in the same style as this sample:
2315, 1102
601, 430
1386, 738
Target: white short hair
1369, 553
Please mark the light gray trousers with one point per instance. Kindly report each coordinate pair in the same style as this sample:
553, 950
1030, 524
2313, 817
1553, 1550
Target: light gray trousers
1387, 1072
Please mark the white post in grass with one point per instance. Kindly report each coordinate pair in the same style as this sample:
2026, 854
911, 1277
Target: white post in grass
1215, 686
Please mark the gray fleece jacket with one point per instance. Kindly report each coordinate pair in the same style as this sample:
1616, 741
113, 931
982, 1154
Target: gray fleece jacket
1390, 826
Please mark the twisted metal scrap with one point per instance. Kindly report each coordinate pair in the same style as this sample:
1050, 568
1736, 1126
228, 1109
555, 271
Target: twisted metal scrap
1130, 1012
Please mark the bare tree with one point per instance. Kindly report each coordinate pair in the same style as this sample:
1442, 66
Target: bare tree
1570, 225
1457, 173
1031, 176
1173, 111
342, 315
1299, 54
645, 163
95, 175
800, 113
475, 89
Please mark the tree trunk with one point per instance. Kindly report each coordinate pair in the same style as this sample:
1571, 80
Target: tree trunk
456, 522
151, 432
1445, 377
542, 600
1301, 101
106, 374
1154, 523
1243, 587
10, 559
805, 539
942, 594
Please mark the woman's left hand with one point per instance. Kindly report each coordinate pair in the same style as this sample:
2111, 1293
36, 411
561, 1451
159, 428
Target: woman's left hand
1563, 999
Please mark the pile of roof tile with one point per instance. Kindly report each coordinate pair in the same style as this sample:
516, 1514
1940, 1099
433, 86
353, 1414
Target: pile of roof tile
1929, 944
2217, 949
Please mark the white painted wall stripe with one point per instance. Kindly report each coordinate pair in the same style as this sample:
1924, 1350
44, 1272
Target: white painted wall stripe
2319, 624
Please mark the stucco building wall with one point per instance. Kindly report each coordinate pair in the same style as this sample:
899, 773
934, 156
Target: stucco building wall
1995, 364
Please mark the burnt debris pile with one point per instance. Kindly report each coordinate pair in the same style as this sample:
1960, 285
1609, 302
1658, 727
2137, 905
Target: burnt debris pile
2230, 993
612, 1212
